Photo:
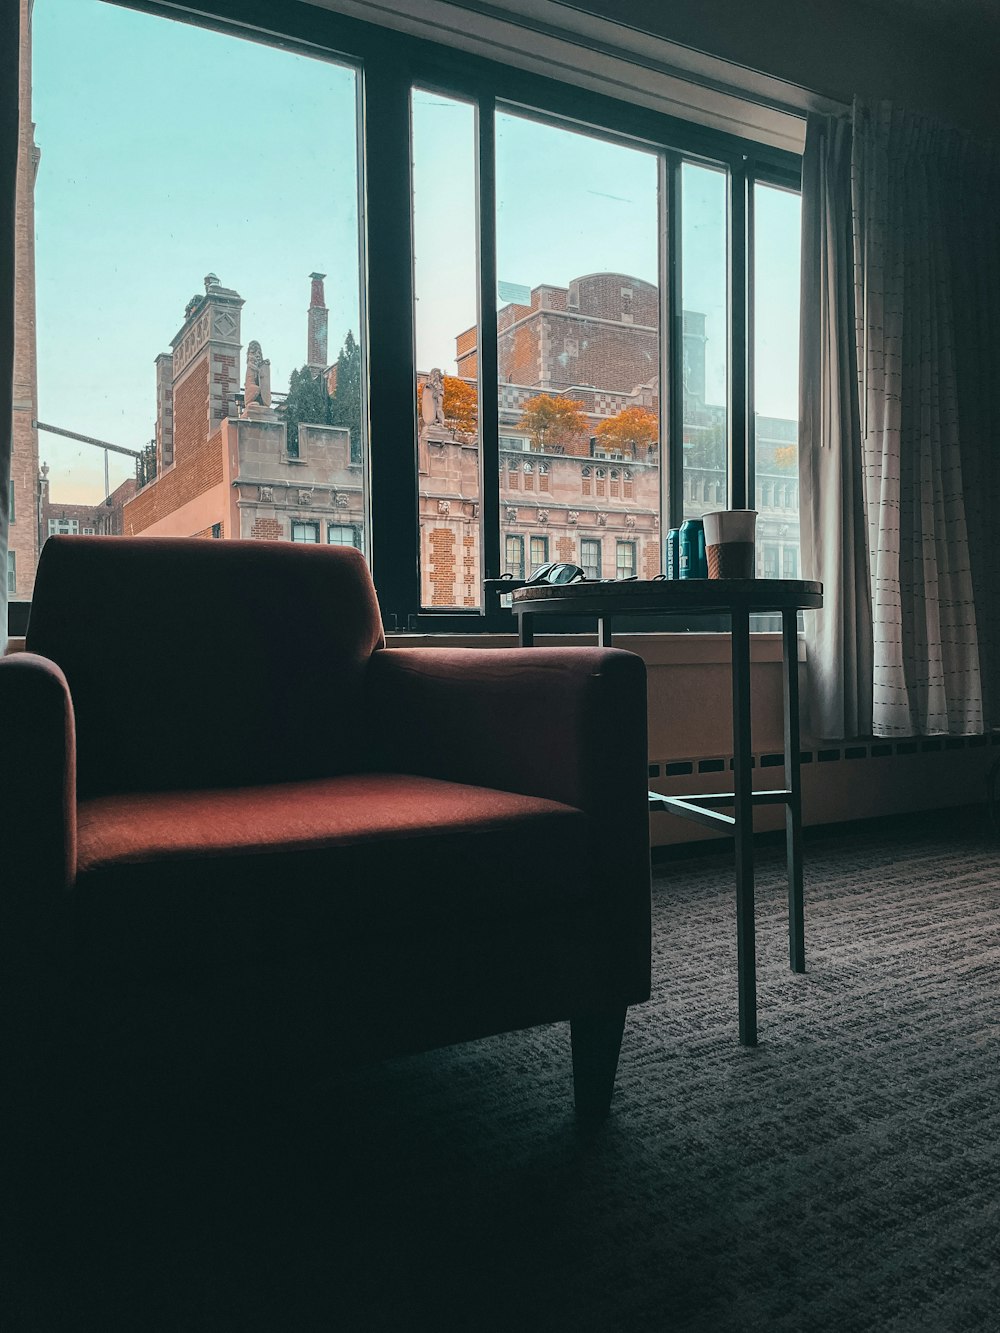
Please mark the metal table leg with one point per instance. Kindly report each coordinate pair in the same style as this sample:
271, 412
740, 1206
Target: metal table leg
743, 828
526, 629
793, 781
604, 632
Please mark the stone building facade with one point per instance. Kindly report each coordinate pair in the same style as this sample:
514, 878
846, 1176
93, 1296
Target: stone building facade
223, 466
23, 539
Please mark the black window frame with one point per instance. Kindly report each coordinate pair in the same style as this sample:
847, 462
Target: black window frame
390, 65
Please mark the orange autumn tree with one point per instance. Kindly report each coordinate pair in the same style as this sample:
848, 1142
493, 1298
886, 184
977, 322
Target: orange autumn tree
786, 456
633, 428
553, 421
460, 406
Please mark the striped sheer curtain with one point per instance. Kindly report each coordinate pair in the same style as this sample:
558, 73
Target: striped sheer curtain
925, 247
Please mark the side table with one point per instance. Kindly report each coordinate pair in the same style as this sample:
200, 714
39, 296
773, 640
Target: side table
738, 599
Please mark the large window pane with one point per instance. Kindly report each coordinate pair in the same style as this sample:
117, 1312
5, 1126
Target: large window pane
777, 216
446, 285
578, 343
183, 310
705, 295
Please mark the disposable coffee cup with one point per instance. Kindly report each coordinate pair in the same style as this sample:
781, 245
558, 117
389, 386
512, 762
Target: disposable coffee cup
729, 538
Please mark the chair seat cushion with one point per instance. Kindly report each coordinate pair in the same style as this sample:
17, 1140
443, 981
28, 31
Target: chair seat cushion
380, 852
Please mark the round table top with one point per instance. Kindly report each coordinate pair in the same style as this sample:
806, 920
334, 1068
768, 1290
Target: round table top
642, 596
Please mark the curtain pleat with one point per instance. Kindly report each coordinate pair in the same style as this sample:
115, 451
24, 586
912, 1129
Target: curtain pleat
924, 234
832, 513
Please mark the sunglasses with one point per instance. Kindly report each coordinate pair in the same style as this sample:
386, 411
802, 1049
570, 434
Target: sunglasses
555, 571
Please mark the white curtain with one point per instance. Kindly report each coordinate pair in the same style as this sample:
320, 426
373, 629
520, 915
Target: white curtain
831, 490
916, 188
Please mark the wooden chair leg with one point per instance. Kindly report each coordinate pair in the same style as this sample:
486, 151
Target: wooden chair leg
597, 1041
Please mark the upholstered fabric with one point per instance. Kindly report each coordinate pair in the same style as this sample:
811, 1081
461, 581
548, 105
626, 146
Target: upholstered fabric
409, 849
291, 844
197, 664
37, 786
566, 724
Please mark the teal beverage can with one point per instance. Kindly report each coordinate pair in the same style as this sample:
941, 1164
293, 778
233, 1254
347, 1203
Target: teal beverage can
672, 566
692, 562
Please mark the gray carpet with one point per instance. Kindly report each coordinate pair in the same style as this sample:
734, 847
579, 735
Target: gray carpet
844, 1175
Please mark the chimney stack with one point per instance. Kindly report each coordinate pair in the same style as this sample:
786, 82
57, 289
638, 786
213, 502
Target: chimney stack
316, 356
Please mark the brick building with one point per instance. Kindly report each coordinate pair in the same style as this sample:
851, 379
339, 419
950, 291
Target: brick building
22, 554
106, 519
223, 466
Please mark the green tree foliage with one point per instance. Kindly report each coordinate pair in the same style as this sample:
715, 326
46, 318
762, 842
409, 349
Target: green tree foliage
345, 405
308, 402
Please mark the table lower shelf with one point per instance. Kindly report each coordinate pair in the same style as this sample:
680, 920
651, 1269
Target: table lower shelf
698, 808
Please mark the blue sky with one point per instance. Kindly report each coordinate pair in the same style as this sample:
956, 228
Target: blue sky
169, 152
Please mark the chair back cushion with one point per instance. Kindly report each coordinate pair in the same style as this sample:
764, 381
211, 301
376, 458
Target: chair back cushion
195, 663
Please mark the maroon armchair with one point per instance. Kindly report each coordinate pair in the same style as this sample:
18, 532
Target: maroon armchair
221, 796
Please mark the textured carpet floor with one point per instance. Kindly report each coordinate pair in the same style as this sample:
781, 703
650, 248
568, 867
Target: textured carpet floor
845, 1175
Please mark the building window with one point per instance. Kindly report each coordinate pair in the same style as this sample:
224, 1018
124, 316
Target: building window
669, 203
11, 572
590, 558
513, 556
217, 530
539, 551
770, 562
11, 514
88, 532
64, 527
342, 534
790, 562
625, 560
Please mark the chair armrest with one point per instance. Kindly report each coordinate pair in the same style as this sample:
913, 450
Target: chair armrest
568, 724
37, 790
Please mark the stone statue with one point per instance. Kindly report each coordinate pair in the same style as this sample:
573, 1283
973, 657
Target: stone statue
257, 385
432, 399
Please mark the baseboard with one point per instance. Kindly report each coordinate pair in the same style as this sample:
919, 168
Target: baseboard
841, 783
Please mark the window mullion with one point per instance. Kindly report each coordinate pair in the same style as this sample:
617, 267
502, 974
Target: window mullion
489, 416
674, 354
738, 366
391, 370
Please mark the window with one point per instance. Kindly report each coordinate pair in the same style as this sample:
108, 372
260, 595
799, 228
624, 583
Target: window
217, 530
342, 534
222, 304
770, 561
578, 317
513, 560
625, 560
556, 239
590, 557
64, 527
539, 551
704, 209
446, 321
88, 532
776, 228
11, 514
11, 572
